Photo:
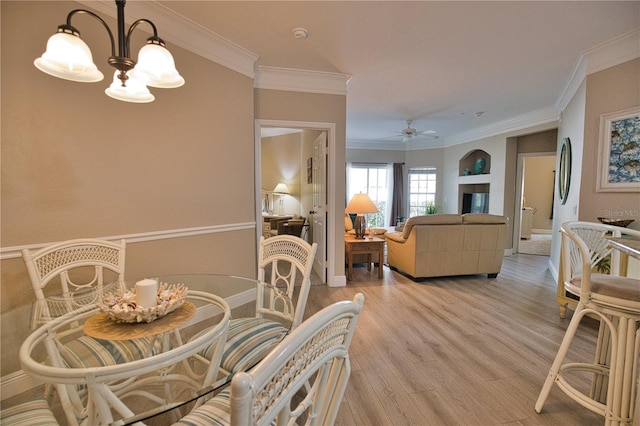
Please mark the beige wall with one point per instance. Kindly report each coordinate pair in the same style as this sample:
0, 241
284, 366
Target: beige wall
76, 163
613, 89
608, 91
538, 189
280, 158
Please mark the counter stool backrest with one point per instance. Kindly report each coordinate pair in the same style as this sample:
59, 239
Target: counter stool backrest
78, 267
600, 256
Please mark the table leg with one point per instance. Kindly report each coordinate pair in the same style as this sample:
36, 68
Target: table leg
380, 254
349, 266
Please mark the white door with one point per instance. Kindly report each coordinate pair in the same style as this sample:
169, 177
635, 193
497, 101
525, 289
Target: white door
318, 217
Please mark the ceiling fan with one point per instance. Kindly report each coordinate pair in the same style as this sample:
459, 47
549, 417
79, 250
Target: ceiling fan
409, 132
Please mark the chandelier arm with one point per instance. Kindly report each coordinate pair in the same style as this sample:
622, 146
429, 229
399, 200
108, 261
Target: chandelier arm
104, 24
133, 27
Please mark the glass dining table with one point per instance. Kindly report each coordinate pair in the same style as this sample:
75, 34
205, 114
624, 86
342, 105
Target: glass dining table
170, 369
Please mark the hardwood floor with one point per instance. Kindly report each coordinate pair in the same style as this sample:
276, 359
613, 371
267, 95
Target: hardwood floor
458, 351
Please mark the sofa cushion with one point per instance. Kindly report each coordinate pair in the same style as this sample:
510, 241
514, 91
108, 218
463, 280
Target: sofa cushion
483, 218
430, 219
348, 223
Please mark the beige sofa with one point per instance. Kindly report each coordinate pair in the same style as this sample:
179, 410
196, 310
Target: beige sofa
449, 244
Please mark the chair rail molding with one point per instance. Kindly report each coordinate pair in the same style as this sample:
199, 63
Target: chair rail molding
16, 251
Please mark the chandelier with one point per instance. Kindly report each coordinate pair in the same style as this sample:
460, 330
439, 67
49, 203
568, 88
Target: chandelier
69, 58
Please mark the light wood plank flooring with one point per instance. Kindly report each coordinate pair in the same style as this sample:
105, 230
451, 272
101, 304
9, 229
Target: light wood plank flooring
457, 351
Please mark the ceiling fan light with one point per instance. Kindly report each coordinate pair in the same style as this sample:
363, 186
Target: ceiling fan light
69, 58
156, 67
135, 91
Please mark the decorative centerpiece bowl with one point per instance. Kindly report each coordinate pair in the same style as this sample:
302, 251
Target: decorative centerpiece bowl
616, 222
121, 306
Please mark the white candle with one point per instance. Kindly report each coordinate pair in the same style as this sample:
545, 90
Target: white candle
147, 293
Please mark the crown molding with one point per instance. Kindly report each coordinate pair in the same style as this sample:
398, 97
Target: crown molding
396, 145
545, 116
294, 80
185, 33
616, 51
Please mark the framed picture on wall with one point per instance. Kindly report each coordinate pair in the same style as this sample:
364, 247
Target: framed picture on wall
310, 170
619, 152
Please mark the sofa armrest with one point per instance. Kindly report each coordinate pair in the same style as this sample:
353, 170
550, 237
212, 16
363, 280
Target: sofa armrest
395, 236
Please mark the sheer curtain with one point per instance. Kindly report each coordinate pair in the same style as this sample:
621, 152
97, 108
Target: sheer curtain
397, 197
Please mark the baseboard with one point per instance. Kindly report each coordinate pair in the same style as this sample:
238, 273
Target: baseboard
338, 281
541, 231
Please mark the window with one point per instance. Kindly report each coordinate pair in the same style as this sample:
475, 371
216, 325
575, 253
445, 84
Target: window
422, 191
373, 180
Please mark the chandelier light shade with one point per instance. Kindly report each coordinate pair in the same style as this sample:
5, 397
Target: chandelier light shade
359, 205
135, 90
156, 67
68, 57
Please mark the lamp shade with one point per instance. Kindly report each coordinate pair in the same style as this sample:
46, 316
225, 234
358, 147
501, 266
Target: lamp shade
68, 57
361, 203
281, 188
156, 67
135, 91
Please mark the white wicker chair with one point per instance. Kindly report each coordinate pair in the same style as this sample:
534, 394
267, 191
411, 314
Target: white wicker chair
78, 267
301, 381
602, 258
615, 301
286, 257
70, 276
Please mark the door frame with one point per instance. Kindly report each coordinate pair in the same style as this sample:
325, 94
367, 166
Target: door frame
330, 128
517, 214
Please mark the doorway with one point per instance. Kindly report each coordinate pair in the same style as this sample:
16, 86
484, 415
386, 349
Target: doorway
291, 152
535, 207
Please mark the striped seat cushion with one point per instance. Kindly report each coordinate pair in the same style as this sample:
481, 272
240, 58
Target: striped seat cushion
249, 340
89, 352
31, 413
214, 412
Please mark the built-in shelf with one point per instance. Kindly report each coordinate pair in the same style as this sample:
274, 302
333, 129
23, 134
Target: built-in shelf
473, 181
467, 163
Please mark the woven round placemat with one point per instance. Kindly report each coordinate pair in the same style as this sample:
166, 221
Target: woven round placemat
100, 326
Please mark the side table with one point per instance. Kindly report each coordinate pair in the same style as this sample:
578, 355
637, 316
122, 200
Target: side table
368, 246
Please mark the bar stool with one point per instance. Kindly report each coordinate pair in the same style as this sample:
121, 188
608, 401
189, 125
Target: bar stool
615, 301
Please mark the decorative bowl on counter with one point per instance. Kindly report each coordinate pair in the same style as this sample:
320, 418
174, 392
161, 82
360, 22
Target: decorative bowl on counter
121, 306
616, 222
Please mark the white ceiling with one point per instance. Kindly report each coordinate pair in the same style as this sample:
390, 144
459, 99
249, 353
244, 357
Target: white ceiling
451, 66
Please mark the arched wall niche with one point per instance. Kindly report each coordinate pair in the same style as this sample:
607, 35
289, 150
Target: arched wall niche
471, 163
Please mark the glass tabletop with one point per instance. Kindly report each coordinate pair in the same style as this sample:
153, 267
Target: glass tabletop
238, 293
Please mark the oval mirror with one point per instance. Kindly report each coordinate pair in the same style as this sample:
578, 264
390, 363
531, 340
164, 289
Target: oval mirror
564, 170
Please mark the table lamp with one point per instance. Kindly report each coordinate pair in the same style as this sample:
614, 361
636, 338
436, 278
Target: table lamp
281, 189
361, 204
